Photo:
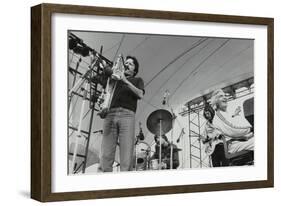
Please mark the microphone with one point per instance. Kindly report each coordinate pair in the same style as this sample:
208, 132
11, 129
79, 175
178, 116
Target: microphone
165, 97
181, 134
98, 131
140, 135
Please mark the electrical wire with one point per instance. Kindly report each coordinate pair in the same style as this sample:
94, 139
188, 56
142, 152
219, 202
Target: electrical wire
175, 59
139, 44
235, 56
117, 51
109, 49
177, 70
198, 66
147, 102
197, 43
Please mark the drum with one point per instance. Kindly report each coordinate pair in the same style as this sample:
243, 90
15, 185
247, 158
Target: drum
154, 164
142, 153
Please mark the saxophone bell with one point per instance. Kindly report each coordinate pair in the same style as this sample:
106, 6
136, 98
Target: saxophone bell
118, 68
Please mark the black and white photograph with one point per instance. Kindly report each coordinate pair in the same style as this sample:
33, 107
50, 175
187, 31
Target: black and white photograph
134, 102
156, 102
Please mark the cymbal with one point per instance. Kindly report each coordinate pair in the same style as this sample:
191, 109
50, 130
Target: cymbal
153, 121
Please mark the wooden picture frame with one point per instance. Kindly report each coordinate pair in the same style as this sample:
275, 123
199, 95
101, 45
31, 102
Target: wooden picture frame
41, 97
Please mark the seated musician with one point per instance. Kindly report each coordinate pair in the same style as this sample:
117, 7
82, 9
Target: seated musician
166, 153
212, 139
235, 128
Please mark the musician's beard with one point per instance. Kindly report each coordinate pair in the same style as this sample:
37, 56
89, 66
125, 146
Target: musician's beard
128, 74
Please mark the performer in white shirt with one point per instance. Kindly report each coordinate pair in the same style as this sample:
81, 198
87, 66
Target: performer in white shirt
234, 127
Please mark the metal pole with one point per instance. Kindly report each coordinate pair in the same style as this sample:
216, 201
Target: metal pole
78, 83
172, 140
183, 152
190, 156
160, 145
76, 69
200, 149
88, 140
79, 134
136, 154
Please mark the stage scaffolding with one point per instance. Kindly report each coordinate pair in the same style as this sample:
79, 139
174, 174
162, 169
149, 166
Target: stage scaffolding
85, 87
196, 120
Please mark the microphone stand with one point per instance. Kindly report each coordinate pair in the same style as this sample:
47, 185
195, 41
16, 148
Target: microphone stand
160, 144
182, 145
172, 139
166, 101
140, 137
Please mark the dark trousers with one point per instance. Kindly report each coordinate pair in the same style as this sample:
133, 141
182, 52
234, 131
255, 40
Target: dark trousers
218, 156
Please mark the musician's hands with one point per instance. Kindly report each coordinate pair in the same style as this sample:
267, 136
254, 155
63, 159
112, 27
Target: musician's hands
209, 130
249, 136
162, 165
208, 149
237, 111
123, 78
104, 64
131, 86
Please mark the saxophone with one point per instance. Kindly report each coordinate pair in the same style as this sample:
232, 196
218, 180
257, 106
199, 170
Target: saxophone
107, 93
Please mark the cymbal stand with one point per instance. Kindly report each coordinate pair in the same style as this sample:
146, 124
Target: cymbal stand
140, 137
172, 139
160, 144
167, 94
182, 146
136, 158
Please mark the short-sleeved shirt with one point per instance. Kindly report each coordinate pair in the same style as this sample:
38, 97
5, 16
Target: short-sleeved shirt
124, 97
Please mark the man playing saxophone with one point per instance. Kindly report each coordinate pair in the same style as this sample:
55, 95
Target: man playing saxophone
119, 122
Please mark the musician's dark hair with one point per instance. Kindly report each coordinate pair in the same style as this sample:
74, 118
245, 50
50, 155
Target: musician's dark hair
210, 109
163, 137
136, 63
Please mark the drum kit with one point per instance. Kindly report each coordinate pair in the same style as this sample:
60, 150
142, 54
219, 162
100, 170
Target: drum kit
158, 123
